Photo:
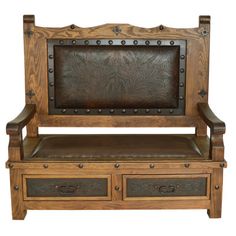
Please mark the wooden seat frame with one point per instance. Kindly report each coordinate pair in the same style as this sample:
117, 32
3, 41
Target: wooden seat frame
35, 114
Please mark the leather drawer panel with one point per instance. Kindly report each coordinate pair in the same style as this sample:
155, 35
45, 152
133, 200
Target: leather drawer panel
165, 186
66, 187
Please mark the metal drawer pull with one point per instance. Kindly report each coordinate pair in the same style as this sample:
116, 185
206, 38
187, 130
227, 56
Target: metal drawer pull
165, 189
67, 189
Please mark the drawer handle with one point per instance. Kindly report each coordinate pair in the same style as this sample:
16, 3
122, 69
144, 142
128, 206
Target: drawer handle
67, 189
165, 189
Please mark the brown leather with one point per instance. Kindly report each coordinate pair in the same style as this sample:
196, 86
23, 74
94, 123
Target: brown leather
128, 147
116, 76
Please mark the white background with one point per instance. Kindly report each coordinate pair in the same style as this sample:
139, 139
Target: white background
147, 13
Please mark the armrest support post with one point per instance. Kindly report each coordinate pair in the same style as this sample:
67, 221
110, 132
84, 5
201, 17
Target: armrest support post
14, 130
217, 129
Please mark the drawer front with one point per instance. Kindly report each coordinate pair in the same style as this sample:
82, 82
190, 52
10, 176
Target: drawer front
67, 187
153, 187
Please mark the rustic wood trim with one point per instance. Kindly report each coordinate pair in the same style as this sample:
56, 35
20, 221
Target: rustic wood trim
110, 205
217, 128
48, 176
30, 74
117, 187
18, 206
14, 129
125, 177
197, 76
216, 194
122, 165
217, 147
118, 121
15, 126
216, 125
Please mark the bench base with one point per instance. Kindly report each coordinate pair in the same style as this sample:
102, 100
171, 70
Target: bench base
133, 185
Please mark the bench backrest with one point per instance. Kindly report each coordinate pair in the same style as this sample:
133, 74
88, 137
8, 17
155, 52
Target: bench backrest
116, 75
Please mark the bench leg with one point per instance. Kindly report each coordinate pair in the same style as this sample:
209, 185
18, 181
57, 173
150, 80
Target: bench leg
18, 209
18, 214
216, 194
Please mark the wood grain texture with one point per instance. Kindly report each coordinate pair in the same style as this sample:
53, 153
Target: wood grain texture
216, 194
117, 205
196, 73
209, 166
18, 207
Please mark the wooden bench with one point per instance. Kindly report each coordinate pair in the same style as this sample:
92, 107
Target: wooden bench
116, 75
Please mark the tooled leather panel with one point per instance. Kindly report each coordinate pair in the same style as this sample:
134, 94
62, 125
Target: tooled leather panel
116, 76
116, 146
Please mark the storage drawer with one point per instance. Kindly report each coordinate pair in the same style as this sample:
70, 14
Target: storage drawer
52, 187
157, 187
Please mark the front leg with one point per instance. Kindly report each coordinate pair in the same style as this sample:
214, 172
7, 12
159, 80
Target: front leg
18, 209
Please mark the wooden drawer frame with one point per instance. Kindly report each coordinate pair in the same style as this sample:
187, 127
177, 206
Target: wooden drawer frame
52, 176
156, 176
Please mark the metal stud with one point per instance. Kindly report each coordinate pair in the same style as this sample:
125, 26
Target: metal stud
16, 187
217, 187
147, 42
63, 110
50, 56
87, 110
99, 110
72, 26
181, 97
117, 165
159, 42
159, 110
135, 42
73, 41
98, 42
202, 93
117, 188
182, 70
172, 42
222, 165
86, 42
151, 166
10, 165
51, 84
161, 27
81, 166
171, 110
51, 98
123, 42
75, 110
111, 110
45, 166
147, 110
182, 57
181, 84
123, 111
50, 70
110, 42
135, 110
61, 42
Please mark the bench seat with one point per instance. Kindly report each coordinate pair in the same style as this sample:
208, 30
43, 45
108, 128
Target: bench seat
119, 147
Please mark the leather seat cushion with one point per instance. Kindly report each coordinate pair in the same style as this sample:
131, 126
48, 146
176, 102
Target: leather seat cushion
105, 147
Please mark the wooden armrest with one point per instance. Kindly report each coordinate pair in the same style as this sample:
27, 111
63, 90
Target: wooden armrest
216, 125
15, 126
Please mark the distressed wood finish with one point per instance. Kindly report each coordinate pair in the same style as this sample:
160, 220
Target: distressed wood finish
208, 164
196, 72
